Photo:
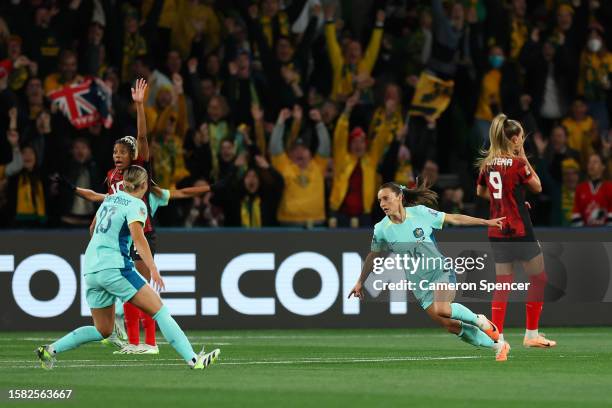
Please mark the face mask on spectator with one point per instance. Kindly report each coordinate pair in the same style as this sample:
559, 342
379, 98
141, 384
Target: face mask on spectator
594, 44
496, 61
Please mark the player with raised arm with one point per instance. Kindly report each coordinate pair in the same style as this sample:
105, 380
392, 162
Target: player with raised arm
408, 229
505, 173
128, 151
110, 274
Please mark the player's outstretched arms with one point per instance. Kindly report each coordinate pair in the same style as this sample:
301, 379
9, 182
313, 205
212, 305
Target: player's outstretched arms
90, 195
189, 192
143, 249
466, 220
357, 290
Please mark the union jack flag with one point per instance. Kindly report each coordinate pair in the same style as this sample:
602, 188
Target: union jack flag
86, 103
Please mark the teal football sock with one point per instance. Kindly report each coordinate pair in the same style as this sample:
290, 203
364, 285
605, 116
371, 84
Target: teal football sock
175, 336
460, 312
474, 336
75, 338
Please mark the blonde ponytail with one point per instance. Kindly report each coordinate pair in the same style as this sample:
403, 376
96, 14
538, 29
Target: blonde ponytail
500, 134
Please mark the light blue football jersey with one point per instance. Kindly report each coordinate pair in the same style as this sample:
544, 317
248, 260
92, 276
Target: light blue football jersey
109, 247
155, 202
413, 237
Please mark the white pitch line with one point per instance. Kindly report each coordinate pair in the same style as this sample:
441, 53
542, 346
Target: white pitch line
338, 360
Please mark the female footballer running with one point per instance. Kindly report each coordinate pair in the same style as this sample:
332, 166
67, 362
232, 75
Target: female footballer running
408, 229
110, 274
505, 172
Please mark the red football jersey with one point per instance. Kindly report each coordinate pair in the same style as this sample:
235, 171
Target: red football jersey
114, 182
505, 178
592, 204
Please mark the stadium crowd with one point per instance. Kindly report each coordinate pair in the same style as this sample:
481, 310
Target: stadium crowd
295, 111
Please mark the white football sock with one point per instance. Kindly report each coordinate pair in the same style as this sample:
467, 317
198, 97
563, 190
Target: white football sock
531, 334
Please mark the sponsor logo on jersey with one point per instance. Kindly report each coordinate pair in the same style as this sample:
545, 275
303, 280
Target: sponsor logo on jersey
418, 232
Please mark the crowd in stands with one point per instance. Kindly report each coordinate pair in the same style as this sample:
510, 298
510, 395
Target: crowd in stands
295, 111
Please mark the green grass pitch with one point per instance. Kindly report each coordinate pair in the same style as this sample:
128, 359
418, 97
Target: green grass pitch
295, 368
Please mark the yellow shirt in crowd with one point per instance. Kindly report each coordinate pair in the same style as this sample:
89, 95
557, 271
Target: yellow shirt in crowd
303, 198
489, 94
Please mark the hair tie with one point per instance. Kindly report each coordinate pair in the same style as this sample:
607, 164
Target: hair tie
402, 187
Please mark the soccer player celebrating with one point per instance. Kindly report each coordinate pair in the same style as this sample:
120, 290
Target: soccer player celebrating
408, 229
128, 151
505, 172
110, 274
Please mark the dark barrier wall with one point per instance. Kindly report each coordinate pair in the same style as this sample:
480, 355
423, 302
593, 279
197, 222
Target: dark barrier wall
285, 279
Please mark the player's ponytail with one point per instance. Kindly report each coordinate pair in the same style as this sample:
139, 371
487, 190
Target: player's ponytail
419, 195
133, 178
131, 144
501, 132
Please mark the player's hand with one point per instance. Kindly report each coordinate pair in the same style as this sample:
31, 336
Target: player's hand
357, 291
138, 92
496, 222
156, 280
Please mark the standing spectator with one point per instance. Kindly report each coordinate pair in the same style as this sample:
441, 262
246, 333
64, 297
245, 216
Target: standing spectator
134, 44
593, 198
23, 67
351, 66
499, 92
167, 154
287, 64
389, 115
81, 171
143, 68
563, 203
555, 151
243, 89
581, 129
303, 199
548, 71
28, 193
68, 73
595, 80
355, 166
51, 32
250, 201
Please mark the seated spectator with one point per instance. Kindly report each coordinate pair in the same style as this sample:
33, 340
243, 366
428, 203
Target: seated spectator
303, 199
355, 165
593, 198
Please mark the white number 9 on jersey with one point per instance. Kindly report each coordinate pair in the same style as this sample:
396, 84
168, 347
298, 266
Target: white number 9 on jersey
496, 182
